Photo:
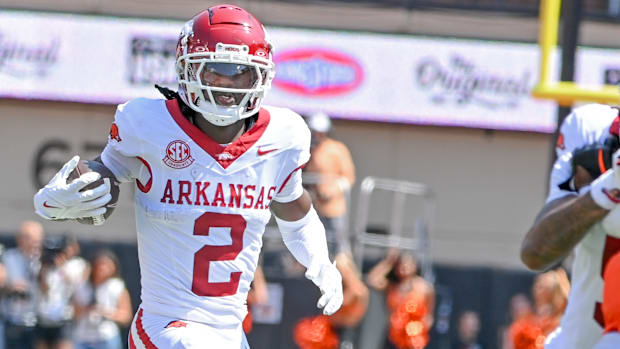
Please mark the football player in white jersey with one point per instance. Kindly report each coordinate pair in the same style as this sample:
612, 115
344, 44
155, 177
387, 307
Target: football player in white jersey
583, 215
210, 164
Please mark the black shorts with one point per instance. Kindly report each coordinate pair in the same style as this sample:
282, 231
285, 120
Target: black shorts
52, 333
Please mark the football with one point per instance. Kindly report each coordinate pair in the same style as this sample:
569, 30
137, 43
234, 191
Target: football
85, 166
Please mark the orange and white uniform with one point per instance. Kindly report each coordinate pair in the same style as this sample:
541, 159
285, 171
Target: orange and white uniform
583, 323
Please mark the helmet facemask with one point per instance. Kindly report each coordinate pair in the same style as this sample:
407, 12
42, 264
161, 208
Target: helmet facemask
226, 85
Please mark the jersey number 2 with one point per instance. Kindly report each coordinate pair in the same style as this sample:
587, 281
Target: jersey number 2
208, 253
612, 245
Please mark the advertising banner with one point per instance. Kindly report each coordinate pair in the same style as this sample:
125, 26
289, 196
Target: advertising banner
349, 75
410, 80
83, 58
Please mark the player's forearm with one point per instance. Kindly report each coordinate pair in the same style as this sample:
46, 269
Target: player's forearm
305, 239
558, 229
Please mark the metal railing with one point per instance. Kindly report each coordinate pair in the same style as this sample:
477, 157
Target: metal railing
416, 240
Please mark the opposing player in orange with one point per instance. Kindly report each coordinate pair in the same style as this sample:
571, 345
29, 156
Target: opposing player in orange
210, 164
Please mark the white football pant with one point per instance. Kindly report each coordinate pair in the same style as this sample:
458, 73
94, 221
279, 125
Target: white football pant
151, 331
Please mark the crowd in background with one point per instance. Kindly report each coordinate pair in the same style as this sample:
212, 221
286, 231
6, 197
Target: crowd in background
533, 321
53, 298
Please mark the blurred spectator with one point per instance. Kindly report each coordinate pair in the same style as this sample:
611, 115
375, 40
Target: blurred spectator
315, 332
409, 298
520, 308
468, 330
355, 302
22, 269
329, 174
258, 295
550, 293
54, 308
339, 329
75, 269
102, 305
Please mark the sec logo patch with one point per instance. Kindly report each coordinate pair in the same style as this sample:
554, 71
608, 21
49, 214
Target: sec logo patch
178, 155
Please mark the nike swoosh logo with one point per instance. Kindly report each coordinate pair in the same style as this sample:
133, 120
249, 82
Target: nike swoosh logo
263, 152
48, 206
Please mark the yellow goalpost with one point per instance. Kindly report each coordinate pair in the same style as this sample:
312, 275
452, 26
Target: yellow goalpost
564, 92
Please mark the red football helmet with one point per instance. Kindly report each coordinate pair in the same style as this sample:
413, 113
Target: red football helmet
224, 64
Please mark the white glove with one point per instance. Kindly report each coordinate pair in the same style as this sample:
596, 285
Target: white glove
600, 187
59, 200
327, 277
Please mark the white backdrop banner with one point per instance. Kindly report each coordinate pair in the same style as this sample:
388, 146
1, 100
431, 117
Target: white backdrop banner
375, 77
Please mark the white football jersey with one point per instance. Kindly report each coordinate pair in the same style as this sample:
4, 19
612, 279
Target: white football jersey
609, 341
202, 207
582, 323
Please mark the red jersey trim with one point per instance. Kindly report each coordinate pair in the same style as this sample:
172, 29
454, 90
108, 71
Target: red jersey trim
144, 337
289, 177
145, 188
231, 152
132, 345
